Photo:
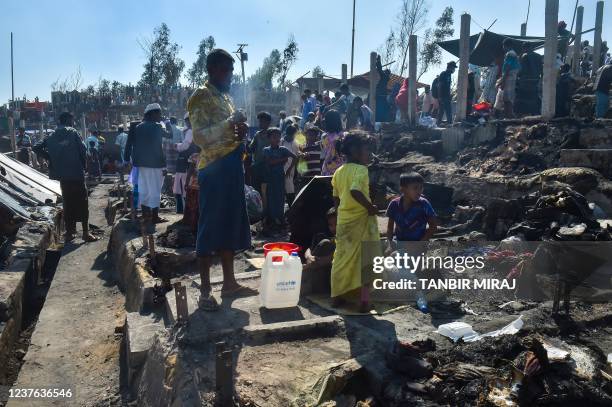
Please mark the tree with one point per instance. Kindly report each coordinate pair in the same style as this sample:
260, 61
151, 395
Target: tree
431, 54
70, 83
104, 87
263, 76
412, 18
288, 58
317, 71
197, 73
163, 67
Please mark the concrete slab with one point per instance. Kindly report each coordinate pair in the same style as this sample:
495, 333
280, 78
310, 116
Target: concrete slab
452, 139
235, 314
140, 332
482, 134
11, 312
595, 137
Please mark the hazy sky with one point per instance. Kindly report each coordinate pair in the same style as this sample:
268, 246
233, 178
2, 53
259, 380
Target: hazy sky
53, 38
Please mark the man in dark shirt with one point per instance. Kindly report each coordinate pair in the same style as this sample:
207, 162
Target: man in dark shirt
144, 147
602, 90
444, 93
66, 154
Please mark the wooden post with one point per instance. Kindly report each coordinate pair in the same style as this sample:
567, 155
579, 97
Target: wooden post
227, 389
577, 41
152, 255
320, 84
524, 30
224, 374
373, 83
219, 349
182, 309
412, 68
344, 73
597, 41
549, 82
464, 58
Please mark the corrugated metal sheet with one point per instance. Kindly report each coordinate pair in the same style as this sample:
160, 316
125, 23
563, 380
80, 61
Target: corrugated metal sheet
30, 181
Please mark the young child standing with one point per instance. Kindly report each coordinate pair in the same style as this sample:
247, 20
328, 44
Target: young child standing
275, 157
410, 214
409, 218
356, 224
312, 153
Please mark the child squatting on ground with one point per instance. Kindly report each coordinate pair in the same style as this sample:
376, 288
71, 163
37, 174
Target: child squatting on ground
351, 271
320, 254
275, 157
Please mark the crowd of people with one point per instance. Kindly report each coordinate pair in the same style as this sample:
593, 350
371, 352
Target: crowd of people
223, 180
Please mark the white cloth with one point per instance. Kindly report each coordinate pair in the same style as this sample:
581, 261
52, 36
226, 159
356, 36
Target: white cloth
294, 148
149, 186
152, 106
184, 145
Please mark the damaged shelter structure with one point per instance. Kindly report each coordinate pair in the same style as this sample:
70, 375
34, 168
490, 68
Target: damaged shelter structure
30, 224
531, 196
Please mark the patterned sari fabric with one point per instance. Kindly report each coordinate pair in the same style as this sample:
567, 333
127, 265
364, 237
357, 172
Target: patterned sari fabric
332, 160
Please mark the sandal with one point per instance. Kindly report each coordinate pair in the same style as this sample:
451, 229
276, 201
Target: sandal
208, 303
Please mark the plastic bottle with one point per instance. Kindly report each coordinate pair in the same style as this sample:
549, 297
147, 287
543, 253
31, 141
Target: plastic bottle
422, 302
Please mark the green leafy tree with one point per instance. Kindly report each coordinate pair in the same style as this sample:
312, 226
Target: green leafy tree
287, 60
196, 75
263, 76
317, 71
163, 67
104, 88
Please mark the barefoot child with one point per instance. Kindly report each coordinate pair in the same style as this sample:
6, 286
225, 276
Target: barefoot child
356, 224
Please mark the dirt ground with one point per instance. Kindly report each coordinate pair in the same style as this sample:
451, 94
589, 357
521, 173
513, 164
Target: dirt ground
74, 344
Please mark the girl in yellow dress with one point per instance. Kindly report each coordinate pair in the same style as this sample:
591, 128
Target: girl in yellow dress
351, 267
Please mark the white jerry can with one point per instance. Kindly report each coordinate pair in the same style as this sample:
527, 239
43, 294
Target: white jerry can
281, 280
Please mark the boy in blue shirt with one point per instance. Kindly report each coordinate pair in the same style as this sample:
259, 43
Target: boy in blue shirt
410, 214
411, 219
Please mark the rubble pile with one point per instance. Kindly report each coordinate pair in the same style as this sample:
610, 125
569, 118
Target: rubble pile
524, 150
559, 215
505, 371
